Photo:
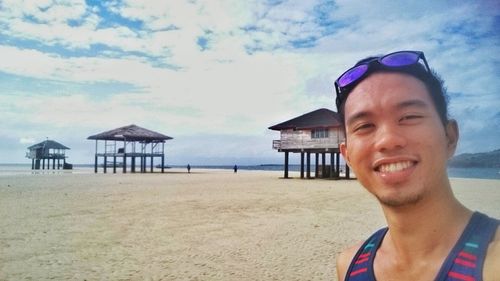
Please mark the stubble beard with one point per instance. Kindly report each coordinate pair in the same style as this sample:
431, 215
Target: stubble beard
399, 201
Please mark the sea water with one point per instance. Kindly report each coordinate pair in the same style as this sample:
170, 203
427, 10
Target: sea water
475, 173
16, 169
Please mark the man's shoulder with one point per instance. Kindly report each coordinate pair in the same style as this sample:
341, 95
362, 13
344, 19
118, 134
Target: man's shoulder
344, 259
491, 269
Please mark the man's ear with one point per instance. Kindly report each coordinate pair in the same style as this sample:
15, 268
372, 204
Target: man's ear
343, 151
452, 135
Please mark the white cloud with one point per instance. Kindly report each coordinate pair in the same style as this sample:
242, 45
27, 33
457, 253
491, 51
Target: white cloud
38, 64
27, 140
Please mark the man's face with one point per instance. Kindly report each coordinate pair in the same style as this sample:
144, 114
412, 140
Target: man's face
395, 141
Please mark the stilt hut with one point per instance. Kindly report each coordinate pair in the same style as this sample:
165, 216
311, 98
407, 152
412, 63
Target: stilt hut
318, 132
48, 150
129, 143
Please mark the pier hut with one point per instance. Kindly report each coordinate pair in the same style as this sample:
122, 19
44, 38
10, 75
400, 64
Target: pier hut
319, 133
45, 151
128, 144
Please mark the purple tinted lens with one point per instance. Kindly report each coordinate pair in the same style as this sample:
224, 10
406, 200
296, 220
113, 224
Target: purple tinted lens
352, 75
400, 59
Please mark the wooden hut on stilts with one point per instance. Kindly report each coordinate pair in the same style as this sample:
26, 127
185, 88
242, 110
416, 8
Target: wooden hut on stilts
318, 132
127, 144
48, 150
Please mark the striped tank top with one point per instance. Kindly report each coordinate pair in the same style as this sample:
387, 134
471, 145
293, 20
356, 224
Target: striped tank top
464, 262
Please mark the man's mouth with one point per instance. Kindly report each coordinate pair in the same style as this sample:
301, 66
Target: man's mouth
394, 167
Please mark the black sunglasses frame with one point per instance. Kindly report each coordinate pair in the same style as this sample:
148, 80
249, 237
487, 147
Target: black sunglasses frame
377, 62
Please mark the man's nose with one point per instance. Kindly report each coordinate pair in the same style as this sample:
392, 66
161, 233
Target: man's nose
389, 137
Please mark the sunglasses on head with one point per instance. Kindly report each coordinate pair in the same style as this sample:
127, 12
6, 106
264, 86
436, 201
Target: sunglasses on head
397, 60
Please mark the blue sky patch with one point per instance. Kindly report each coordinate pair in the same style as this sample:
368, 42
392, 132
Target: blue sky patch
11, 84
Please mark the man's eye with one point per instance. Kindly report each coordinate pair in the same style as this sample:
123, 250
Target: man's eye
363, 127
410, 118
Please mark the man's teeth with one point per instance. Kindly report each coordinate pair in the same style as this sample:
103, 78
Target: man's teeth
395, 167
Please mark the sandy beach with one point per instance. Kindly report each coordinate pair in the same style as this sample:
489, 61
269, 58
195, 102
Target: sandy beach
207, 225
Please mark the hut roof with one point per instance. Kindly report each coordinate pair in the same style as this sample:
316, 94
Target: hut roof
321, 118
130, 133
48, 144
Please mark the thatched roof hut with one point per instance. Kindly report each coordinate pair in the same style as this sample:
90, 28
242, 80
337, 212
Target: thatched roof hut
318, 132
48, 144
135, 142
321, 118
47, 150
131, 133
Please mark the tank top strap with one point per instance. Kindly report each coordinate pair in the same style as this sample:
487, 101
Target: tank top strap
465, 261
361, 267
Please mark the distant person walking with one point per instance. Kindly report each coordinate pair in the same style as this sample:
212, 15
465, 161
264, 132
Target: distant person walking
189, 168
235, 168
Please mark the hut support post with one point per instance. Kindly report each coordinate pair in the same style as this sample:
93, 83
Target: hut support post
124, 163
152, 158
142, 163
337, 165
347, 172
151, 166
323, 167
105, 167
95, 163
286, 164
332, 164
301, 165
124, 156
33, 164
162, 163
95, 158
308, 165
316, 165
162, 157
114, 164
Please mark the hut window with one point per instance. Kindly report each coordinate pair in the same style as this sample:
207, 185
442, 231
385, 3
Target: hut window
319, 133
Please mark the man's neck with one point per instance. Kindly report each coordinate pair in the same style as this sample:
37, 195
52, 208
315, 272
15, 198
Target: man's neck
429, 227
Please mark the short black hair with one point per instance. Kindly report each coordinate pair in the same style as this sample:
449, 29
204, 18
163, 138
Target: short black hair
432, 81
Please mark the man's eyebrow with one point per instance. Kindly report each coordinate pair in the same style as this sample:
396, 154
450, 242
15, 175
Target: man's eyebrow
357, 116
404, 104
412, 103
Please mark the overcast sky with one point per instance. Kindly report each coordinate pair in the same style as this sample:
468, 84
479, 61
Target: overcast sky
214, 75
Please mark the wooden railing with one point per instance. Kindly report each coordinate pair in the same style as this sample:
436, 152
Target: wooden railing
276, 144
304, 144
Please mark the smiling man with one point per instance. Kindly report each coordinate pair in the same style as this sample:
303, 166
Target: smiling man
398, 141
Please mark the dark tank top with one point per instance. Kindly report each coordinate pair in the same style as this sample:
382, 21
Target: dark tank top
464, 262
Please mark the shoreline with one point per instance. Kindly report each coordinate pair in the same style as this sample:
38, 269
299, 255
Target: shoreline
25, 169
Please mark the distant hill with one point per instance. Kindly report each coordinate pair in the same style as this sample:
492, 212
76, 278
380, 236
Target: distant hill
477, 160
